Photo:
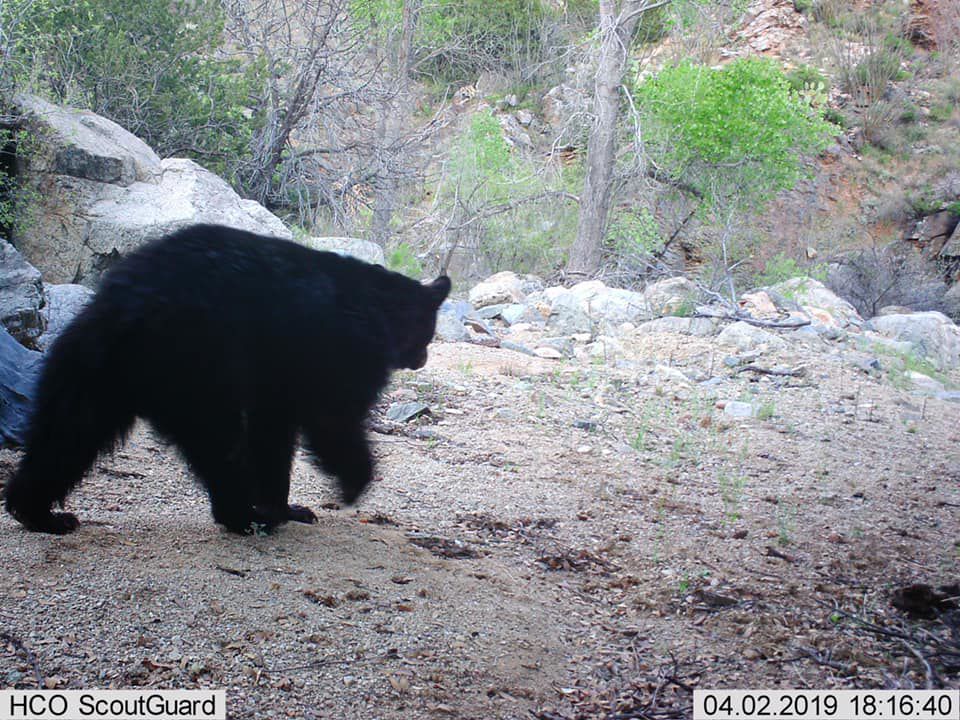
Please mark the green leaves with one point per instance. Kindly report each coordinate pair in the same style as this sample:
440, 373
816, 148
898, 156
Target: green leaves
148, 65
737, 134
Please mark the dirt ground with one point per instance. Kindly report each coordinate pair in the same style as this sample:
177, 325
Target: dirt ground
555, 539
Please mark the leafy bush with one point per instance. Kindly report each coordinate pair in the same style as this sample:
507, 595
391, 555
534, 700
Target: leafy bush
737, 134
502, 210
149, 65
783, 267
403, 259
634, 232
458, 39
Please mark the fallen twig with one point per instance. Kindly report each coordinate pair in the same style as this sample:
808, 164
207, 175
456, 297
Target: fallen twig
799, 371
754, 321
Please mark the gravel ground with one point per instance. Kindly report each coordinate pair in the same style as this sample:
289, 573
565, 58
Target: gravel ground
556, 539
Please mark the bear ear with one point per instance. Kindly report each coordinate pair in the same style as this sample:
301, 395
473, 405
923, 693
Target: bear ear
439, 289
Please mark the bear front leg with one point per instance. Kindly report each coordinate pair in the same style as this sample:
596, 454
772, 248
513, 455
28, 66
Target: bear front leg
343, 452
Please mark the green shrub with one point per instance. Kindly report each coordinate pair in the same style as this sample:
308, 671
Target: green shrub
458, 39
737, 134
804, 77
782, 267
634, 233
150, 66
402, 259
493, 197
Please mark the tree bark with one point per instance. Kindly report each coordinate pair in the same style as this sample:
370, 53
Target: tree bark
395, 110
617, 26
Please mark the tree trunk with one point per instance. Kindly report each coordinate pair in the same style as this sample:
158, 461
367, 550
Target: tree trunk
395, 109
616, 31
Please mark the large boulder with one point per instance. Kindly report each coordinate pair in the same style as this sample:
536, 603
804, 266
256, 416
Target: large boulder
746, 337
63, 303
82, 144
666, 297
813, 295
21, 296
567, 316
504, 287
365, 250
101, 192
933, 336
18, 374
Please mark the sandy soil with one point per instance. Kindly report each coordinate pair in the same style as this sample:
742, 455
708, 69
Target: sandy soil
557, 539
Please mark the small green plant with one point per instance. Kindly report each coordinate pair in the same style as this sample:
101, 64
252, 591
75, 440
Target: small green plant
767, 410
634, 232
402, 259
786, 517
782, 267
17, 199
687, 308
731, 492
941, 112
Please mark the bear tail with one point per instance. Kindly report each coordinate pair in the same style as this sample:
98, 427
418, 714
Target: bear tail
81, 410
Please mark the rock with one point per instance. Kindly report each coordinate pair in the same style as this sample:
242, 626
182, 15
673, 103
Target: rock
949, 396
925, 384
504, 287
605, 348
738, 409
513, 133
563, 345
951, 302
932, 334
524, 117
82, 144
564, 103
489, 312
548, 353
670, 375
567, 316
666, 297
744, 336
934, 231
894, 310
83, 226
18, 373
951, 249
530, 284
407, 411
21, 296
63, 303
450, 317
759, 305
813, 296
699, 327
874, 342
351, 247
614, 307
517, 312
772, 26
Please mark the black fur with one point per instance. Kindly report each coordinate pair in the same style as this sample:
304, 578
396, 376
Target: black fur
231, 345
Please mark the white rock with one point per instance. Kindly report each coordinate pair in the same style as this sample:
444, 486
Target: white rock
365, 250
933, 336
504, 287
744, 336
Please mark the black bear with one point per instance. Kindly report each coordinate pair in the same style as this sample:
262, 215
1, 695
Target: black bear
230, 344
